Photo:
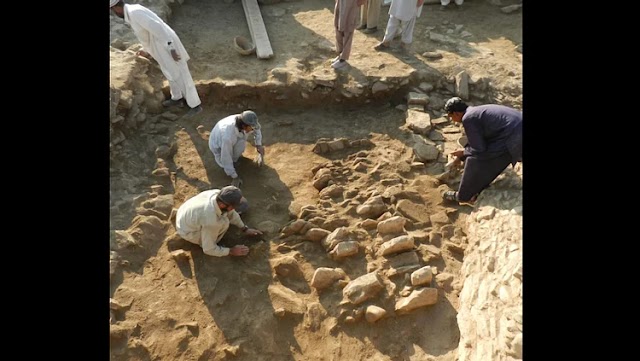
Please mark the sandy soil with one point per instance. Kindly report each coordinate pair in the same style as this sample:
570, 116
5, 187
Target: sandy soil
173, 305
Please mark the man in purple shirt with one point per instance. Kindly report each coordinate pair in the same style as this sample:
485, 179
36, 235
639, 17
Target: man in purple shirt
494, 134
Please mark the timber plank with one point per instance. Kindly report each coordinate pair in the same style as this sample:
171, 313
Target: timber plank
258, 31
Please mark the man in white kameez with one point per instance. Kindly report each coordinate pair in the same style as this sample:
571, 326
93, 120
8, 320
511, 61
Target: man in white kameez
402, 18
228, 140
205, 218
164, 45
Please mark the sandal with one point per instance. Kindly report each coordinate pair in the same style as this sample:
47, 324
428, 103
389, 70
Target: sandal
471, 202
381, 47
450, 196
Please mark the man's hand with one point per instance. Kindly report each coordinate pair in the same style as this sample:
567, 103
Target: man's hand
260, 158
239, 250
236, 182
175, 55
252, 232
458, 153
259, 161
144, 54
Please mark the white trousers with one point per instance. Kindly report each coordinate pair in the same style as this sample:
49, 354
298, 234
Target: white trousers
395, 25
184, 87
238, 149
446, 2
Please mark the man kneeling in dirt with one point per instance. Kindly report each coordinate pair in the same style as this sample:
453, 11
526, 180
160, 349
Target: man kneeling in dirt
494, 134
204, 219
228, 140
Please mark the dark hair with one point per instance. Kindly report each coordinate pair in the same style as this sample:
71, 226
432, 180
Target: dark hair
239, 123
455, 104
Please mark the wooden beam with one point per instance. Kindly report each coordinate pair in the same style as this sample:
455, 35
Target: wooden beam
258, 31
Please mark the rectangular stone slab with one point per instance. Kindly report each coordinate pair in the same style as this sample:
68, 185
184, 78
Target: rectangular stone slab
258, 31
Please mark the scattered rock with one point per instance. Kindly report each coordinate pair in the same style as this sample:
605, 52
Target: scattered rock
374, 313
179, 254
432, 55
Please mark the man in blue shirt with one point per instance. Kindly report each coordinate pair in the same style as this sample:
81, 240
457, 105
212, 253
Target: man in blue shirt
494, 134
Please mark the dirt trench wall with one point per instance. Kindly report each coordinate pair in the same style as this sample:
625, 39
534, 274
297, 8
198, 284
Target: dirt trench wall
137, 90
290, 91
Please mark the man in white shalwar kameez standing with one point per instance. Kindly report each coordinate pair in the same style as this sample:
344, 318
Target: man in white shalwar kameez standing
164, 45
402, 18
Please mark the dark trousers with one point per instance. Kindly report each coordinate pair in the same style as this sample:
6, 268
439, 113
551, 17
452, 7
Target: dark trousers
479, 173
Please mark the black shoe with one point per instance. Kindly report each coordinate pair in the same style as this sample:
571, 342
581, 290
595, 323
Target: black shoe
193, 111
173, 103
362, 27
370, 30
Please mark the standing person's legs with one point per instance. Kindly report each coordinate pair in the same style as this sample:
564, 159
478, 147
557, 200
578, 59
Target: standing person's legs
176, 89
444, 2
184, 87
407, 31
339, 42
478, 174
458, 2
175, 85
189, 87
347, 41
364, 11
373, 13
392, 28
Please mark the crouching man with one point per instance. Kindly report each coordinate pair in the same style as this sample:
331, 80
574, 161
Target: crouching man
205, 218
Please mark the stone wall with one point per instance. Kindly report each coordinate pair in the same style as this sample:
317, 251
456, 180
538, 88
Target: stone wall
490, 312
